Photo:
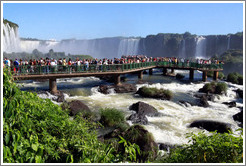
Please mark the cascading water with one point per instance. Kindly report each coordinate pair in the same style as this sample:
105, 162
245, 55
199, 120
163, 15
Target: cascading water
200, 47
11, 41
128, 47
182, 52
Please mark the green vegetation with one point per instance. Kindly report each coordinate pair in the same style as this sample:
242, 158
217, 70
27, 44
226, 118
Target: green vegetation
213, 87
155, 93
111, 117
220, 75
216, 148
11, 24
235, 78
36, 54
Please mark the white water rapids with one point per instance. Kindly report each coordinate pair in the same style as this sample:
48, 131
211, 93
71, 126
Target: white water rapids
170, 128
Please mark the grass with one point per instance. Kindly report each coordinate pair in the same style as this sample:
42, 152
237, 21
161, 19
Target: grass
111, 117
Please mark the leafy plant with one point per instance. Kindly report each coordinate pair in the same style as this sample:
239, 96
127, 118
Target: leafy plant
111, 117
216, 148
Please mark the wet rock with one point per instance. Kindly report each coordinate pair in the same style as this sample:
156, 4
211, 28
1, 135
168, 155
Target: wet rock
166, 146
230, 104
210, 125
204, 101
185, 103
139, 119
239, 93
77, 106
140, 136
142, 109
145, 72
104, 89
125, 88
179, 76
239, 117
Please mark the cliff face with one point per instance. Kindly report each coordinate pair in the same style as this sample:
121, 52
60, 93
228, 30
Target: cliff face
179, 45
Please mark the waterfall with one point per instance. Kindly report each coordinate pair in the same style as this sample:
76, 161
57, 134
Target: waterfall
228, 42
182, 52
128, 47
11, 41
200, 47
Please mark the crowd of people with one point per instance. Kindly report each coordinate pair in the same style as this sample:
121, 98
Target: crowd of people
48, 64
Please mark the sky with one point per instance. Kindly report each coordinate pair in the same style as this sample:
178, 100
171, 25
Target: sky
97, 20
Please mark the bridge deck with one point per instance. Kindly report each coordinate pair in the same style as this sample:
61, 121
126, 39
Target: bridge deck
40, 72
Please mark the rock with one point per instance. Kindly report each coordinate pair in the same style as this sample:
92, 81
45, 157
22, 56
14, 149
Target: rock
145, 72
204, 101
140, 136
230, 104
60, 98
210, 97
104, 89
155, 93
140, 119
166, 146
210, 125
125, 88
179, 76
142, 109
239, 93
77, 106
186, 103
239, 117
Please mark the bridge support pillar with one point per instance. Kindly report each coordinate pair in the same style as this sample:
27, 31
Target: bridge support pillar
204, 76
164, 71
172, 70
140, 75
191, 74
150, 71
117, 80
215, 76
52, 85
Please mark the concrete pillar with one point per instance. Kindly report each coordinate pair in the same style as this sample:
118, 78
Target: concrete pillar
215, 76
172, 70
204, 76
150, 71
52, 85
140, 75
117, 80
164, 71
191, 74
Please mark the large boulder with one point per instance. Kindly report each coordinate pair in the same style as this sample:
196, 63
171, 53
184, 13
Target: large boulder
210, 125
239, 117
162, 94
140, 136
77, 106
125, 88
230, 104
142, 108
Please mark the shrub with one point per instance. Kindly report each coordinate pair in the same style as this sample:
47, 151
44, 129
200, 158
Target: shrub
235, 78
111, 117
221, 75
155, 93
216, 148
221, 87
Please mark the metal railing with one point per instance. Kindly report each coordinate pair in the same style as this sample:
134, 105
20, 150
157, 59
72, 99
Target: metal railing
93, 68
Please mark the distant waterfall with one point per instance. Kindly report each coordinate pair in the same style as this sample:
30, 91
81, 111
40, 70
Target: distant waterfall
228, 42
182, 52
128, 47
200, 47
11, 41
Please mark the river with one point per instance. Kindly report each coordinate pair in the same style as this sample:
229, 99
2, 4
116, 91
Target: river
172, 127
